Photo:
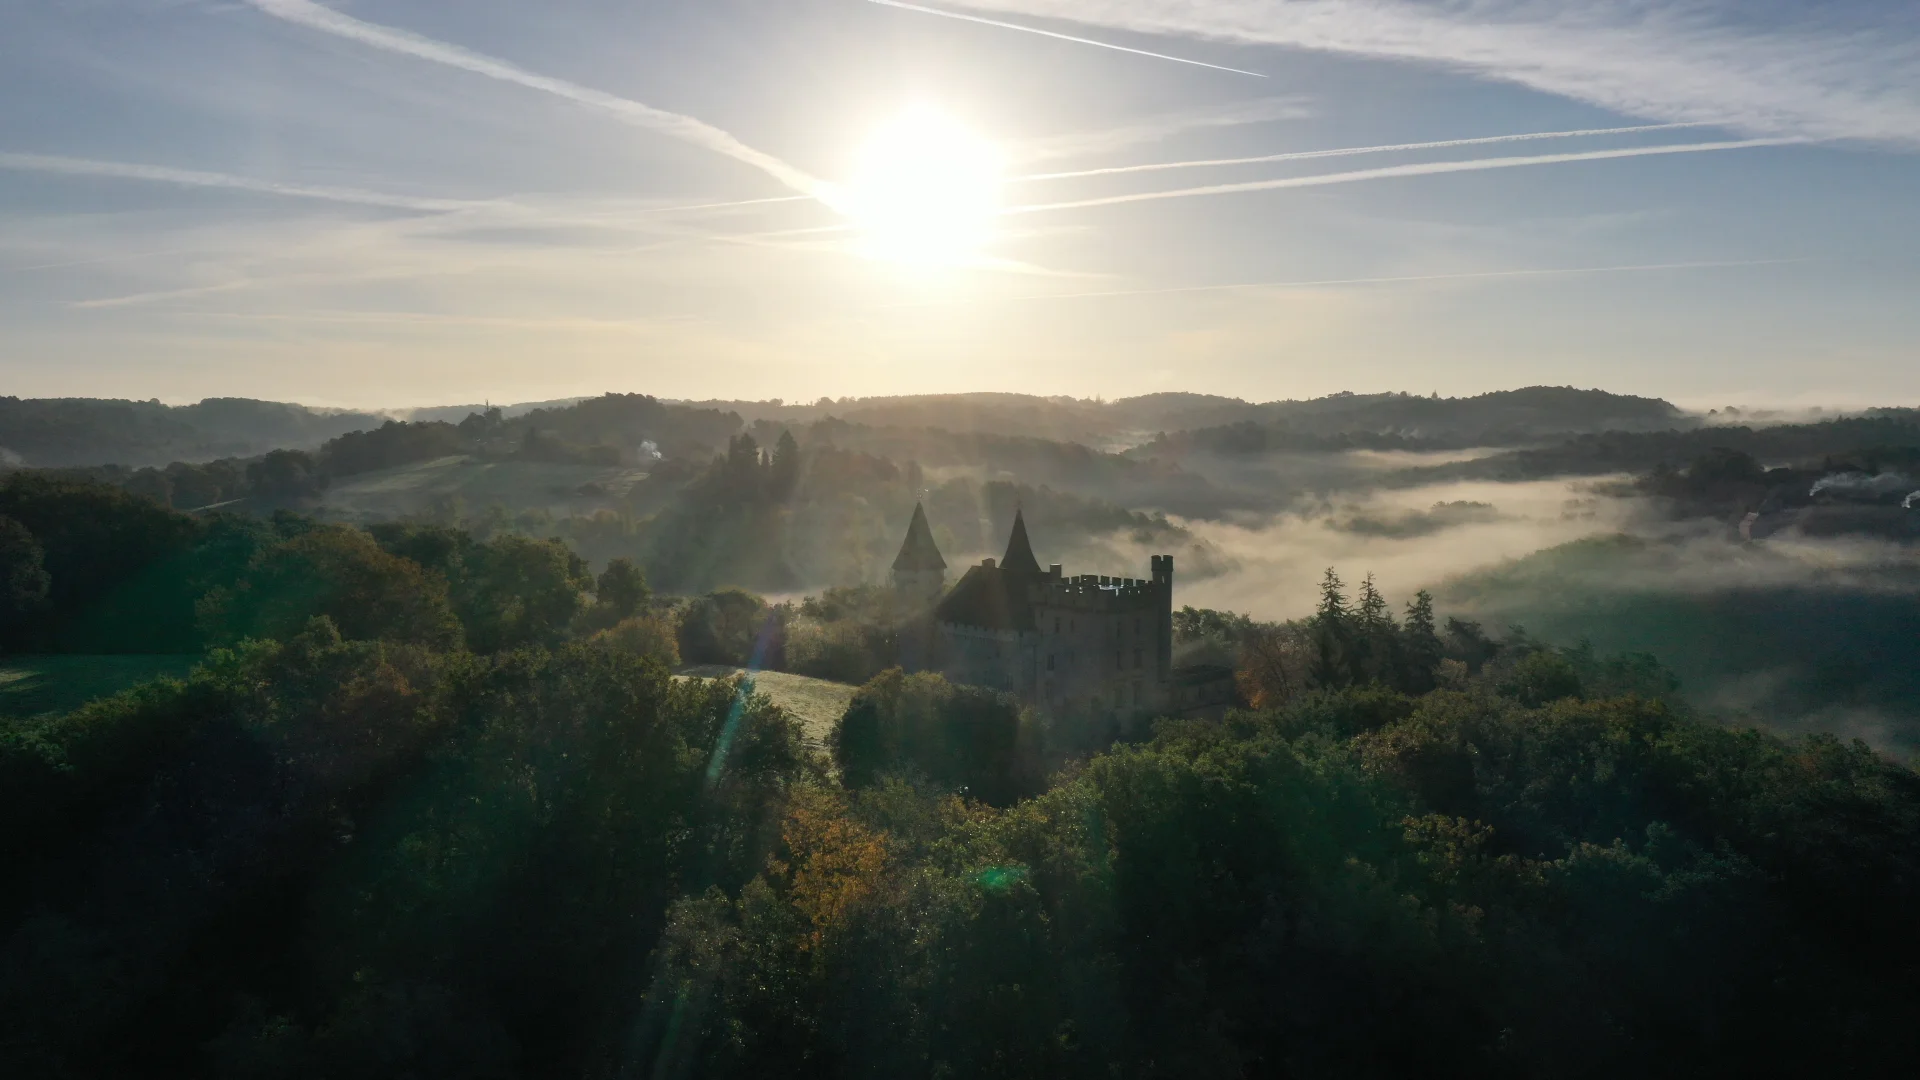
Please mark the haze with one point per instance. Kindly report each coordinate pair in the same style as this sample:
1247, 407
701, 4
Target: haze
398, 203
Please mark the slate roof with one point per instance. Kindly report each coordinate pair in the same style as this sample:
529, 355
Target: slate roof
919, 552
1020, 558
989, 597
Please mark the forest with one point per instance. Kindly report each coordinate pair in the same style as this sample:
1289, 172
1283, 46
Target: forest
309, 787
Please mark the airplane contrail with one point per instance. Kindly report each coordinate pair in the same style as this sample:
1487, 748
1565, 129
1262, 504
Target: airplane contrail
1472, 275
1422, 169
1309, 155
1061, 37
119, 170
685, 128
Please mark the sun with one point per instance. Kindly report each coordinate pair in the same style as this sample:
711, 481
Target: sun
925, 191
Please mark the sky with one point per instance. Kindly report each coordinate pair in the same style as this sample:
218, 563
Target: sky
391, 203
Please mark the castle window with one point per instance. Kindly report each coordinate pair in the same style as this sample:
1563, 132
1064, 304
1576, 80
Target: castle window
1119, 660
1136, 628
1136, 659
1056, 624
1049, 661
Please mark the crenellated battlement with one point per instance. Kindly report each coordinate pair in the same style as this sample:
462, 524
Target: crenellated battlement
1097, 592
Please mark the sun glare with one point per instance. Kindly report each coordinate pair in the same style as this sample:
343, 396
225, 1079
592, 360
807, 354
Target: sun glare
925, 191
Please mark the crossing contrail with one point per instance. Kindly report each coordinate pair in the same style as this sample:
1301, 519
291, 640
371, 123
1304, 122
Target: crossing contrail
1060, 37
120, 170
685, 128
1430, 168
1404, 279
1309, 155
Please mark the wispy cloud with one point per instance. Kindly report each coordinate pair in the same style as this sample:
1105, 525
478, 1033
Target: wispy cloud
1842, 69
1429, 168
1351, 151
685, 128
1058, 36
120, 170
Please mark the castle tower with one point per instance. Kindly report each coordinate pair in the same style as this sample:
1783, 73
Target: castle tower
919, 573
1163, 584
1020, 558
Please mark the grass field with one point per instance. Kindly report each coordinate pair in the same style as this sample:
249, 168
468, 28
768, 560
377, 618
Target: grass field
517, 485
816, 703
32, 685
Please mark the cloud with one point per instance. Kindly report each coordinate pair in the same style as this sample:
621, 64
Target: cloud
1351, 151
1430, 168
117, 170
685, 128
1833, 70
1061, 37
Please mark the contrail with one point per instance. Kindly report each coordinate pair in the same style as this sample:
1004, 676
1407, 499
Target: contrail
118, 170
1309, 155
686, 128
1414, 278
1049, 33
1424, 169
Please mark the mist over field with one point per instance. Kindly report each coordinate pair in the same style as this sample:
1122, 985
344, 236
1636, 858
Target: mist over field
370, 724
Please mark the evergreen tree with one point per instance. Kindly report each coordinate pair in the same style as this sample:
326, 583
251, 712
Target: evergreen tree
1421, 648
1376, 652
784, 474
1332, 634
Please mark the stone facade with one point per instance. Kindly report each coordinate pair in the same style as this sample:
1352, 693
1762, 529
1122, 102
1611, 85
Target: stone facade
1087, 646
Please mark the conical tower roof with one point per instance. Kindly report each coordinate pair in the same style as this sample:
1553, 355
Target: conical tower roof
1019, 550
919, 552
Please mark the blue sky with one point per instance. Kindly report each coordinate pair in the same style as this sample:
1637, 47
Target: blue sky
400, 202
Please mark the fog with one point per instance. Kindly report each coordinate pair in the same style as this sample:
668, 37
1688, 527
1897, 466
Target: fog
1409, 540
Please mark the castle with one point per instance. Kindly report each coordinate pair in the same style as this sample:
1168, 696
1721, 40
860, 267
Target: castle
1091, 647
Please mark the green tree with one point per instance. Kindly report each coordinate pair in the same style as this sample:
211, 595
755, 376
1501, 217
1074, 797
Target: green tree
23, 575
515, 590
339, 574
1333, 635
730, 626
1421, 649
622, 588
783, 475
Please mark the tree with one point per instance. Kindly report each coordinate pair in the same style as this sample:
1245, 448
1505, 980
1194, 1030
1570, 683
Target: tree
1421, 650
731, 626
24, 583
1332, 634
1377, 656
515, 590
622, 588
339, 574
783, 477
285, 474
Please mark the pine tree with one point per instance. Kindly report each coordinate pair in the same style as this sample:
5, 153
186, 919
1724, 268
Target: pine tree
1332, 634
1422, 649
1377, 655
784, 476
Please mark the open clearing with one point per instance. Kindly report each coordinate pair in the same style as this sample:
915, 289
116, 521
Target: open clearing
470, 485
816, 703
32, 685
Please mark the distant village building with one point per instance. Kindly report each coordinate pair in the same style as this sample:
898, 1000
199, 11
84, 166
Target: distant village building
1087, 646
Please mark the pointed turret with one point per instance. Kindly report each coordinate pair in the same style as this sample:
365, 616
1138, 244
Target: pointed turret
1020, 558
919, 552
